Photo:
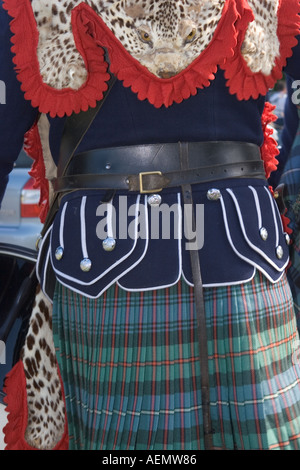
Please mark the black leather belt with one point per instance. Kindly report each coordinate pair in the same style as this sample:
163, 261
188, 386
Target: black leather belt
153, 167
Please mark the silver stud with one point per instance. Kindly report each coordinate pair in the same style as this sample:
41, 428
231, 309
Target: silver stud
287, 238
109, 244
59, 253
263, 234
154, 200
279, 252
108, 166
38, 241
85, 264
213, 194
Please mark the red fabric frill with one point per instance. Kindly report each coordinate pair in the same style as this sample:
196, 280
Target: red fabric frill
269, 149
16, 400
48, 99
246, 84
198, 74
285, 223
33, 148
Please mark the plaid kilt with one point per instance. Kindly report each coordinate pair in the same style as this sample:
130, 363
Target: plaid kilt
131, 372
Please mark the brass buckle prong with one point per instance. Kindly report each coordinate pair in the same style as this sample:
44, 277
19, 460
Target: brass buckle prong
143, 173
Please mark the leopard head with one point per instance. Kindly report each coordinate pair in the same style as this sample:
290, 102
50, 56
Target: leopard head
164, 36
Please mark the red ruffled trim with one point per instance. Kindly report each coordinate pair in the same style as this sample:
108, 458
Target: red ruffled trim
269, 149
33, 148
160, 91
47, 99
16, 400
285, 223
246, 84
284, 219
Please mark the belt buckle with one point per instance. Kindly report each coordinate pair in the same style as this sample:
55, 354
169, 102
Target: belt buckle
143, 173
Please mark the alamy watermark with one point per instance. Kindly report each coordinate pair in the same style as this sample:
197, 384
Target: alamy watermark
296, 93
2, 92
296, 351
144, 221
2, 352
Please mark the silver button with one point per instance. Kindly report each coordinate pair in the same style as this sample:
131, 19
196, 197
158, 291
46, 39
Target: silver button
154, 200
38, 241
59, 253
279, 252
263, 234
287, 238
85, 264
213, 194
109, 244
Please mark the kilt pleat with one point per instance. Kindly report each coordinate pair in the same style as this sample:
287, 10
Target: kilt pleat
131, 373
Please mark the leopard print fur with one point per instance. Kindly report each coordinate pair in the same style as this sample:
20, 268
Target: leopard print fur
46, 413
61, 65
165, 36
261, 44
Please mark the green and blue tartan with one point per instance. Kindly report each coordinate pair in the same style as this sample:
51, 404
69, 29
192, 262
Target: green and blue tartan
131, 372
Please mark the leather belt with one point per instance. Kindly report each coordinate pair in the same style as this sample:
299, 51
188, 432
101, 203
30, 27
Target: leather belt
153, 167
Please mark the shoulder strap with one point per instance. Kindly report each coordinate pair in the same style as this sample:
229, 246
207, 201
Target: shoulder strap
75, 129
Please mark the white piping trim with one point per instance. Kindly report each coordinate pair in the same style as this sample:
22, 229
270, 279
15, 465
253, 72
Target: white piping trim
164, 287
254, 247
256, 200
115, 280
40, 251
222, 284
44, 278
248, 260
185, 279
128, 289
45, 264
109, 206
62, 225
93, 281
83, 228
274, 216
181, 273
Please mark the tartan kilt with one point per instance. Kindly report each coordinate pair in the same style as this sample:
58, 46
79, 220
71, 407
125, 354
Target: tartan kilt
131, 372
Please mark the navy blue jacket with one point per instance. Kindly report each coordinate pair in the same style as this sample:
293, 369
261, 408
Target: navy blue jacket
233, 246
16, 114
